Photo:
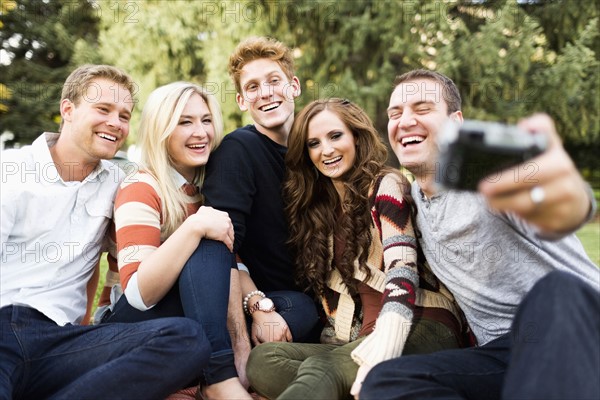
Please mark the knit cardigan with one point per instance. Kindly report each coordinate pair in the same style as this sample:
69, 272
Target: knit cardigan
395, 272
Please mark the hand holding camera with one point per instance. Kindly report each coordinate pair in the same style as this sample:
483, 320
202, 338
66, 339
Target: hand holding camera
475, 150
479, 155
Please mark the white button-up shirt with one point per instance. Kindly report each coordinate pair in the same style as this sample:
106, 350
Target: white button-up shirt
52, 232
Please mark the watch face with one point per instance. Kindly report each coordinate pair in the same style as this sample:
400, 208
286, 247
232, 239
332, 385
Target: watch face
265, 304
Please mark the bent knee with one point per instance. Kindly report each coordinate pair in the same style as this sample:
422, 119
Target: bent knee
262, 370
560, 280
189, 335
261, 357
564, 286
329, 366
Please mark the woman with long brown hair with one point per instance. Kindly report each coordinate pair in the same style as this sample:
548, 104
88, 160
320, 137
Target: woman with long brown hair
352, 233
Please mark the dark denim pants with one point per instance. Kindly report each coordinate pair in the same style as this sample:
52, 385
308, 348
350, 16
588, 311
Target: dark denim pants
202, 294
552, 352
148, 360
299, 312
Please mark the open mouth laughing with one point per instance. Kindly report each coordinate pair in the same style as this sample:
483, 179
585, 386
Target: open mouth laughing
270, 106
196, 146
108, 137
332, 161
411, 140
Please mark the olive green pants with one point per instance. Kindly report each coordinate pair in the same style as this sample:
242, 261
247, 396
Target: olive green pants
323, 371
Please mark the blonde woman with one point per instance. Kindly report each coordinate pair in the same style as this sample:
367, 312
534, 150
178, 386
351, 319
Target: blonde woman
161, 225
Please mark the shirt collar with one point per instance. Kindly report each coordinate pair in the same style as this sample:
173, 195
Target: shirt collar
418, 191
49, 173
40, 148
189, 188
103, 167
179, 179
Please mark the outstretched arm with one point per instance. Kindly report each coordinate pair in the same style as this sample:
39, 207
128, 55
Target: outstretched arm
548, 192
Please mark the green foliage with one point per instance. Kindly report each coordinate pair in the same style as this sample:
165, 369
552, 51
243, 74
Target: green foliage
563, 21
38, 38
590, 238
509, 58
494, 64
573, 78
159, 42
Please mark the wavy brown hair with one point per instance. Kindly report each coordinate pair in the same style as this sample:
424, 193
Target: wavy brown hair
312, 203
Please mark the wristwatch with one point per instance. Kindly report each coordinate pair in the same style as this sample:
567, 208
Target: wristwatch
265, 305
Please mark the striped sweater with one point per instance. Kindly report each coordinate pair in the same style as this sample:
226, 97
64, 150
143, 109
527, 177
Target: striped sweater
405, 284
138, 220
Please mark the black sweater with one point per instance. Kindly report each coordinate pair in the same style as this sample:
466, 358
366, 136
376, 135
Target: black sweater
244, 178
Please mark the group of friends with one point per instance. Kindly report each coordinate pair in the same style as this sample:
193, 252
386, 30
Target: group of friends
285, 259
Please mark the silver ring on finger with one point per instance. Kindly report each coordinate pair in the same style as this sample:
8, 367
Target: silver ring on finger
537, 195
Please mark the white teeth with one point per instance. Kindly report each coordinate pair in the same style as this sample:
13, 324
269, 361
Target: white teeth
270, 107
196, 146
108, 137
333, 160
412, 139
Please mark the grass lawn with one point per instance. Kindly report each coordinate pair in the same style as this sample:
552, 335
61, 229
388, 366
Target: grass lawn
590, 237
103, 268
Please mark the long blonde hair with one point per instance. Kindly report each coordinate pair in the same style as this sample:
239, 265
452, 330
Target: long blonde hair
160, 117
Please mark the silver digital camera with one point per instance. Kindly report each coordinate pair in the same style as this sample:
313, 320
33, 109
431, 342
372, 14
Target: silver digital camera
476, 149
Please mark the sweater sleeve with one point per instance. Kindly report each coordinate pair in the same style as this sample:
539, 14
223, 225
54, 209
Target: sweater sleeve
392, 217
138, 221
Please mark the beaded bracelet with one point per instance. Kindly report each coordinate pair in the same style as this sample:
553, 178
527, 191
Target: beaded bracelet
248, 296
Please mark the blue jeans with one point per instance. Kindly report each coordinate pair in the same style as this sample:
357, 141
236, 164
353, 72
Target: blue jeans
299, 312
202, 294
40, 359
551, 352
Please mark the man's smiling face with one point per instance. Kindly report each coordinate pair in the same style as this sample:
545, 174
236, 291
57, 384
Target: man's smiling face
99, 124
268, 94
416, 113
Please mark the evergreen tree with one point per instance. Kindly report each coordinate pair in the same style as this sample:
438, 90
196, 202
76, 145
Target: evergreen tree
159, 42
37, 39
491, 62
509, 58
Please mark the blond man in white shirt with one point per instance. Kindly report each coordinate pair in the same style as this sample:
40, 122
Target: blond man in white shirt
57, 203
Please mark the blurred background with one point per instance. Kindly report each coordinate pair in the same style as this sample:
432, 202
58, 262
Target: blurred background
508, 58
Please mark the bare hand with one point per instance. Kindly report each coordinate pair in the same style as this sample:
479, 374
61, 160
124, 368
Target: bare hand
564, 203
269, 327
215, 225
